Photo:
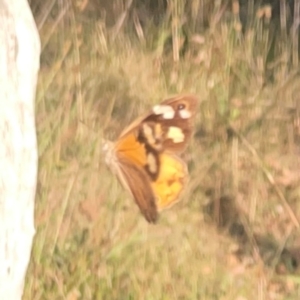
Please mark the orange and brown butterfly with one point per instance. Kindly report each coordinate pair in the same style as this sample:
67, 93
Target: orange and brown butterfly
146, 159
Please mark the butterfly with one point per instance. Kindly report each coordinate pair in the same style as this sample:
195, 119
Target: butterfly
146, 155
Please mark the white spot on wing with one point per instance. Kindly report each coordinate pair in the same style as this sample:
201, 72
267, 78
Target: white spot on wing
175, 134
147, 130
185, 114
151, 162
165, 110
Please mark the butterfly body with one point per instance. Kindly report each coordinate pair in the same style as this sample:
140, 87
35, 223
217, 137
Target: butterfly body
145, 156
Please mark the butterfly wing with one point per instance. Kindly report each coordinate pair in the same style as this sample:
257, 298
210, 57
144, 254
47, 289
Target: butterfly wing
171, 122
138, 184
126, 159
176, 116
170, 182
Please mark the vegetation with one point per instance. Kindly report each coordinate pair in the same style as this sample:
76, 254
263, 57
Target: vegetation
235, 234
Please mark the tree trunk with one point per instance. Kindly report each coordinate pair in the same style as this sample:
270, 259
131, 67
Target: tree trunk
19, 64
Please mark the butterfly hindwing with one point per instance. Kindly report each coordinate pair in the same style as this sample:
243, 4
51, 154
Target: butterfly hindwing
171, 181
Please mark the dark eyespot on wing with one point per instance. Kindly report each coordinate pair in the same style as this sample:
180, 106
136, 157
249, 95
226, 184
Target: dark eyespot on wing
181, 106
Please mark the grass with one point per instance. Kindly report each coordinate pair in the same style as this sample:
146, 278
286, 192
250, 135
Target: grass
227, 237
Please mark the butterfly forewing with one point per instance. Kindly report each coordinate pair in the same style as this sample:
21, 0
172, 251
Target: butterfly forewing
176, 116
181, 106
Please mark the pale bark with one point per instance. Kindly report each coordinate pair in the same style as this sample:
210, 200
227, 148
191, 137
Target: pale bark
19, 64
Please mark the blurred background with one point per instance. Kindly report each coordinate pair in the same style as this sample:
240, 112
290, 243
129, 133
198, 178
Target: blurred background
235, 234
